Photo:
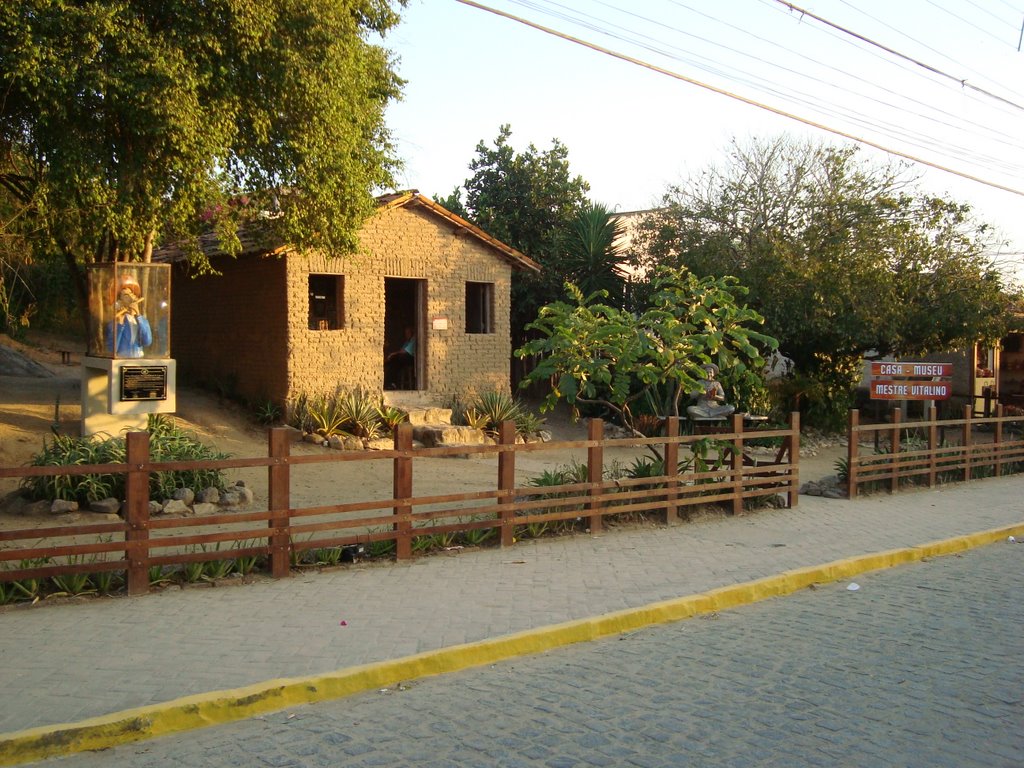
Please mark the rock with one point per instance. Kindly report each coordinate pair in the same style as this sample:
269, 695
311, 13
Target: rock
209, 496
419, 417
354, 444
175, 507
811, 489
337, 442
204, 508
312, 438
63, 507
186, 495
827, 487
109, 506
155, 508
544, 436
380, 444
436, 435
229, 499
37, 509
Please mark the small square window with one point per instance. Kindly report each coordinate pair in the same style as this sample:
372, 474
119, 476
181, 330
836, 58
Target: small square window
326, 302
479, 307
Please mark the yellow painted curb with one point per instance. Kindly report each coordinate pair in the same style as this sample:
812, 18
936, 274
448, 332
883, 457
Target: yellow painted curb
226, 706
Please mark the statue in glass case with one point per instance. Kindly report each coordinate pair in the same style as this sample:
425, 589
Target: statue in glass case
129, 333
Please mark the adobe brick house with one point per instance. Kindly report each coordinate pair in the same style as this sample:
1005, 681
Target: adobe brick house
273, 325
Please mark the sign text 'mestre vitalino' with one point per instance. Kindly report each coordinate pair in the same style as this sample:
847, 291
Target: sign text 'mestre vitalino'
916, 381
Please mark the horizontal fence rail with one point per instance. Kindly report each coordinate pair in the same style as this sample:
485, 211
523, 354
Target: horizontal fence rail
693, 470
928, 452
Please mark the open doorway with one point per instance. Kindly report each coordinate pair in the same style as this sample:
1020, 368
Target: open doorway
404, 347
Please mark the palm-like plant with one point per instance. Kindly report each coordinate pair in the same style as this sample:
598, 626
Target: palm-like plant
593, 253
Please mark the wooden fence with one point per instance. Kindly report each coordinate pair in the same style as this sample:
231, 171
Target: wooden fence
140, 545
932, 451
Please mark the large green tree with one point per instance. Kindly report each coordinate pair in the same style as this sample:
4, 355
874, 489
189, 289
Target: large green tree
841, 257
529, 200
124, 123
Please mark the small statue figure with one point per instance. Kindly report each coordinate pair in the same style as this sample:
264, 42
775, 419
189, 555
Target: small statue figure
129, 332
711, 400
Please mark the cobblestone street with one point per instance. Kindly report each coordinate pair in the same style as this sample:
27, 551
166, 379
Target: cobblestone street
922, 666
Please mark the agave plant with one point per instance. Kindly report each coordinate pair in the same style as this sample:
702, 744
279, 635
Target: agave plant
360, 413
497, 407
326, 415
390, 416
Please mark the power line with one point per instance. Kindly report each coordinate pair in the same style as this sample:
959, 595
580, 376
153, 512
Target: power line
934, 70
914, 40
759, 82
737, 97
968, 22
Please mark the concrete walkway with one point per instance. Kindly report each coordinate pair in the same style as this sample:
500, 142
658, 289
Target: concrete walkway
66, 663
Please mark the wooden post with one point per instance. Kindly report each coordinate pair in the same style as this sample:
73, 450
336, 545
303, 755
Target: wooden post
933, 444
403, 490
136, 535
279, 492
852, 448
793, 497
894, 445
507, 482
671, 470
737, 463
968, 412
595, 472
997, 439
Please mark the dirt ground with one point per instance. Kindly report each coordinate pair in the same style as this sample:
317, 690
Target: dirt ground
38, 393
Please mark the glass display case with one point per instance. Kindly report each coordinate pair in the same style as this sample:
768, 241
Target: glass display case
129, 310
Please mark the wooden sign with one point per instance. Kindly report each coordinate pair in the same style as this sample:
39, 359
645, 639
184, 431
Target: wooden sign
940, 370
911, 390
911, 381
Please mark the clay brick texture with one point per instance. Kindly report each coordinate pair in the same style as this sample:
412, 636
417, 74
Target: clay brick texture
251, 327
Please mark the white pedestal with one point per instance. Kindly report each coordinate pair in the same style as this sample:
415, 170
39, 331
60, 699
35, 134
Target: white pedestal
111, 399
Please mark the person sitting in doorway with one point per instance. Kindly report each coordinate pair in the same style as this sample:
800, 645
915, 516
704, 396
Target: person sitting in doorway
401, 360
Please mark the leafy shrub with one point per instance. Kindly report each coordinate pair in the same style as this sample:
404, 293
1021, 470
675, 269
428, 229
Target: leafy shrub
167, 442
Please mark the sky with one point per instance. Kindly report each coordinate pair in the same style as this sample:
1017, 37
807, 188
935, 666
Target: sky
949, 91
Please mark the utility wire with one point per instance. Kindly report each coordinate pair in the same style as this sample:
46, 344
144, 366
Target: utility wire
934, 70
987, 12
737, 97
794, 97
968, 22
759, 82
902, 33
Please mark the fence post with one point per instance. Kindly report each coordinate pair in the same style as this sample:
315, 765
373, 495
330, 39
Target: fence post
997, 439
894, 447
793, 496
507, 482
279, 492
403, 490
136, 535
737, 463
933, 444
595, 471
671, 470
968, 412
852, 459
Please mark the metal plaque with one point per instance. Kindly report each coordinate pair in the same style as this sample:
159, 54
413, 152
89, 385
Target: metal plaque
147, 382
